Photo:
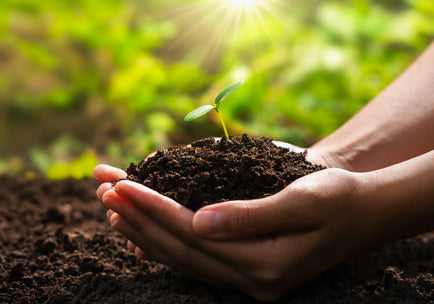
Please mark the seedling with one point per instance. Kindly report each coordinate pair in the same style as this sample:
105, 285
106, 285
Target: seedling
201, 111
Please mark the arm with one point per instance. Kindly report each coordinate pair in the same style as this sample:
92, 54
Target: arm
402, 198
395, 126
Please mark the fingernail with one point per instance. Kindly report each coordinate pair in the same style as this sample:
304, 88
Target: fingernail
113, 220
207, 222
110, 213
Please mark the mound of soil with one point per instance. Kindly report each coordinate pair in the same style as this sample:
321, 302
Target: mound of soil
211, 171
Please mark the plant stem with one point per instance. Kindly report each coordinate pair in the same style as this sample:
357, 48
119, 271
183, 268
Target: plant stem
223, 124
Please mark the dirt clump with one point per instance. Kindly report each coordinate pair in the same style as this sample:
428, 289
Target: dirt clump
211, 171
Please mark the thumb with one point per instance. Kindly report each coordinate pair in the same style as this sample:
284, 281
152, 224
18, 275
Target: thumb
285, 211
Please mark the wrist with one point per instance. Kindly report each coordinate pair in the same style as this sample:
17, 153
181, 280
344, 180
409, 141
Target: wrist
398, 199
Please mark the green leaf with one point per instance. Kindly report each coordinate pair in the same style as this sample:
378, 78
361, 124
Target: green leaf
196, 113
226, 92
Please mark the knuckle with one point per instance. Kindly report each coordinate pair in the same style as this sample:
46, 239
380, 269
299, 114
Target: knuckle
305, 188
334, 183
244, 219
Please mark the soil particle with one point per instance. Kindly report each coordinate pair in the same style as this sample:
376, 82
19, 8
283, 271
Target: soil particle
89, 262
211, 171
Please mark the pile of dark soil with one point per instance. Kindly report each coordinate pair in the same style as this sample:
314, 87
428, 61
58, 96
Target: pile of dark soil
211, 171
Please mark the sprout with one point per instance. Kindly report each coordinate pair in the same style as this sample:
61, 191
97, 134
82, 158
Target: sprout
225, 93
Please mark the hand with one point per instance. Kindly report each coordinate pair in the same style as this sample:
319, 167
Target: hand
262, 247
107, 175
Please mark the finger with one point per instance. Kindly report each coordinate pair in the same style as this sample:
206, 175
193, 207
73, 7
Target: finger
133, 236
175, 218
103, 189
286, 211
165, 247
109, 213
105, 173
131, 246
140, 254
245, 265
155, 205
177, 221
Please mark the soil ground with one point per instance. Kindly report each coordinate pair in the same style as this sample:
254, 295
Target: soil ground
56, 246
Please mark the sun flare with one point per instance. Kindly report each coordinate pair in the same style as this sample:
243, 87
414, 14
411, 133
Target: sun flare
221, 25
243, 4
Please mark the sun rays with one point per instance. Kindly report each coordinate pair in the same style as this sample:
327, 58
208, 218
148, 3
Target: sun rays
244, 4
217, 26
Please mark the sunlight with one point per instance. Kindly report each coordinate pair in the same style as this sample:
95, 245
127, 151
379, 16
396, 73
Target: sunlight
222, 25
244, 4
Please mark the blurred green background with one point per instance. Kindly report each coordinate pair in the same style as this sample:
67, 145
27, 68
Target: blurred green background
90, 81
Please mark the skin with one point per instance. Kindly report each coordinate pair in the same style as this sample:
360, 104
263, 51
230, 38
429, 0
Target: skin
381, 172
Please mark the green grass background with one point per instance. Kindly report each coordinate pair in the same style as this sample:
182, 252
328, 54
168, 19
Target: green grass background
83, 82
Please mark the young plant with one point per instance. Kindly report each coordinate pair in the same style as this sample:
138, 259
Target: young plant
225, 93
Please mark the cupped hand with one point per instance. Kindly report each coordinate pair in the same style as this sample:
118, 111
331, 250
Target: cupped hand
107, 175
262, 247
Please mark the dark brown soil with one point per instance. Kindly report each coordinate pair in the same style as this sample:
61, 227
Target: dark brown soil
57, 247
210, 172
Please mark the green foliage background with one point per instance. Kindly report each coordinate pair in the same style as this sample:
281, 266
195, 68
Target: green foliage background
85, 81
